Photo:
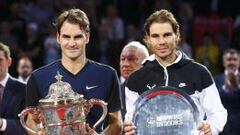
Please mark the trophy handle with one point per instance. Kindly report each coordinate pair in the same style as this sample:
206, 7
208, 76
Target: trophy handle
104, 108
22, 118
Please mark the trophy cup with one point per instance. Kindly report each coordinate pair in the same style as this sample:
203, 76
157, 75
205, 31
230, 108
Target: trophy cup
165, 111
63, 111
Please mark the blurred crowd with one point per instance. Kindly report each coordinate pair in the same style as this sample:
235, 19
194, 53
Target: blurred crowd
27, 27
210, 34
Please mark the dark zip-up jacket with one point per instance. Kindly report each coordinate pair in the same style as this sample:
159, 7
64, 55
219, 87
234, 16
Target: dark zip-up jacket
185, 74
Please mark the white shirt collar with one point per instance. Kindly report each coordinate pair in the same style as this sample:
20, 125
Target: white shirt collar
122, 80
235, 73
149, 58
20, 78
179, 57
4, 81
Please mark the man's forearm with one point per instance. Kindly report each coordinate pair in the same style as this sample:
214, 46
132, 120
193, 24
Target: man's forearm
113, 129
115, 124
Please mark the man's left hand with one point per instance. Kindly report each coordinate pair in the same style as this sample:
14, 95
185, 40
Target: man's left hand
204, 127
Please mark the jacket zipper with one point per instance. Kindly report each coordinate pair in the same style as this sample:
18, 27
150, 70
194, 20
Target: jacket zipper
166, 76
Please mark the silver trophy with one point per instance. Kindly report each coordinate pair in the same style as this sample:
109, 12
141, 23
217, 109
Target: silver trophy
165, 111
63, 111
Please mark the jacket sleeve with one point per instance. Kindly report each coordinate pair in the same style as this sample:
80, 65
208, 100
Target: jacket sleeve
14, 128
209, 100
212, 106
131, 97
114, 103
32, 92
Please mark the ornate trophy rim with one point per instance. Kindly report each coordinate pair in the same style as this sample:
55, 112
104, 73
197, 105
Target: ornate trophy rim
60, 102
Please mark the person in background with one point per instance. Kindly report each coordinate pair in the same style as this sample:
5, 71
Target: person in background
228, 84
89, 78
208, 52
32, 46
131, 59
24, 69
12, 97
170, 67
51, 47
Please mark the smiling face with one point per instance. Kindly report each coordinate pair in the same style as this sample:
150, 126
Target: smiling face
162, 41
72, 40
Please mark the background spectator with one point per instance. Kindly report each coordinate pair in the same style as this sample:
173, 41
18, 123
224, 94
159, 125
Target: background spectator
51, 48
228, 84
12, 97
24, 69
131, 59
119, 21
208, 53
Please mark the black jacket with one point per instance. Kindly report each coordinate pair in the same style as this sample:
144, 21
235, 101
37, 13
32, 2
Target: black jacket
185, 74
13, 102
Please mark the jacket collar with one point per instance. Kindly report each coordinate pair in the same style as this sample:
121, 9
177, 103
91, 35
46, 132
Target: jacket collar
181, 59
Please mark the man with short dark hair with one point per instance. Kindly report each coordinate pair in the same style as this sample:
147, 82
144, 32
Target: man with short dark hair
89, 78
228, 84
12, 97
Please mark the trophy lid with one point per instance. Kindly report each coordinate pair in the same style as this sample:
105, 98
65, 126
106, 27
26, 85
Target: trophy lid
60, 92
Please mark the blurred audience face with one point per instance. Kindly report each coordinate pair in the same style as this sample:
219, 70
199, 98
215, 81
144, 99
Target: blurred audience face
24, 67
231, 62
111, 11
4, 64
5, 27
131, 58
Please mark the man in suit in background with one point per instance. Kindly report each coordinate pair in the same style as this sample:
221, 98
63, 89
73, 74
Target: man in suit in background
24, 69
12, 97
131, 59
228, 84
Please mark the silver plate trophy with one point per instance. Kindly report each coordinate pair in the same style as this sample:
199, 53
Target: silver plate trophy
165, 111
